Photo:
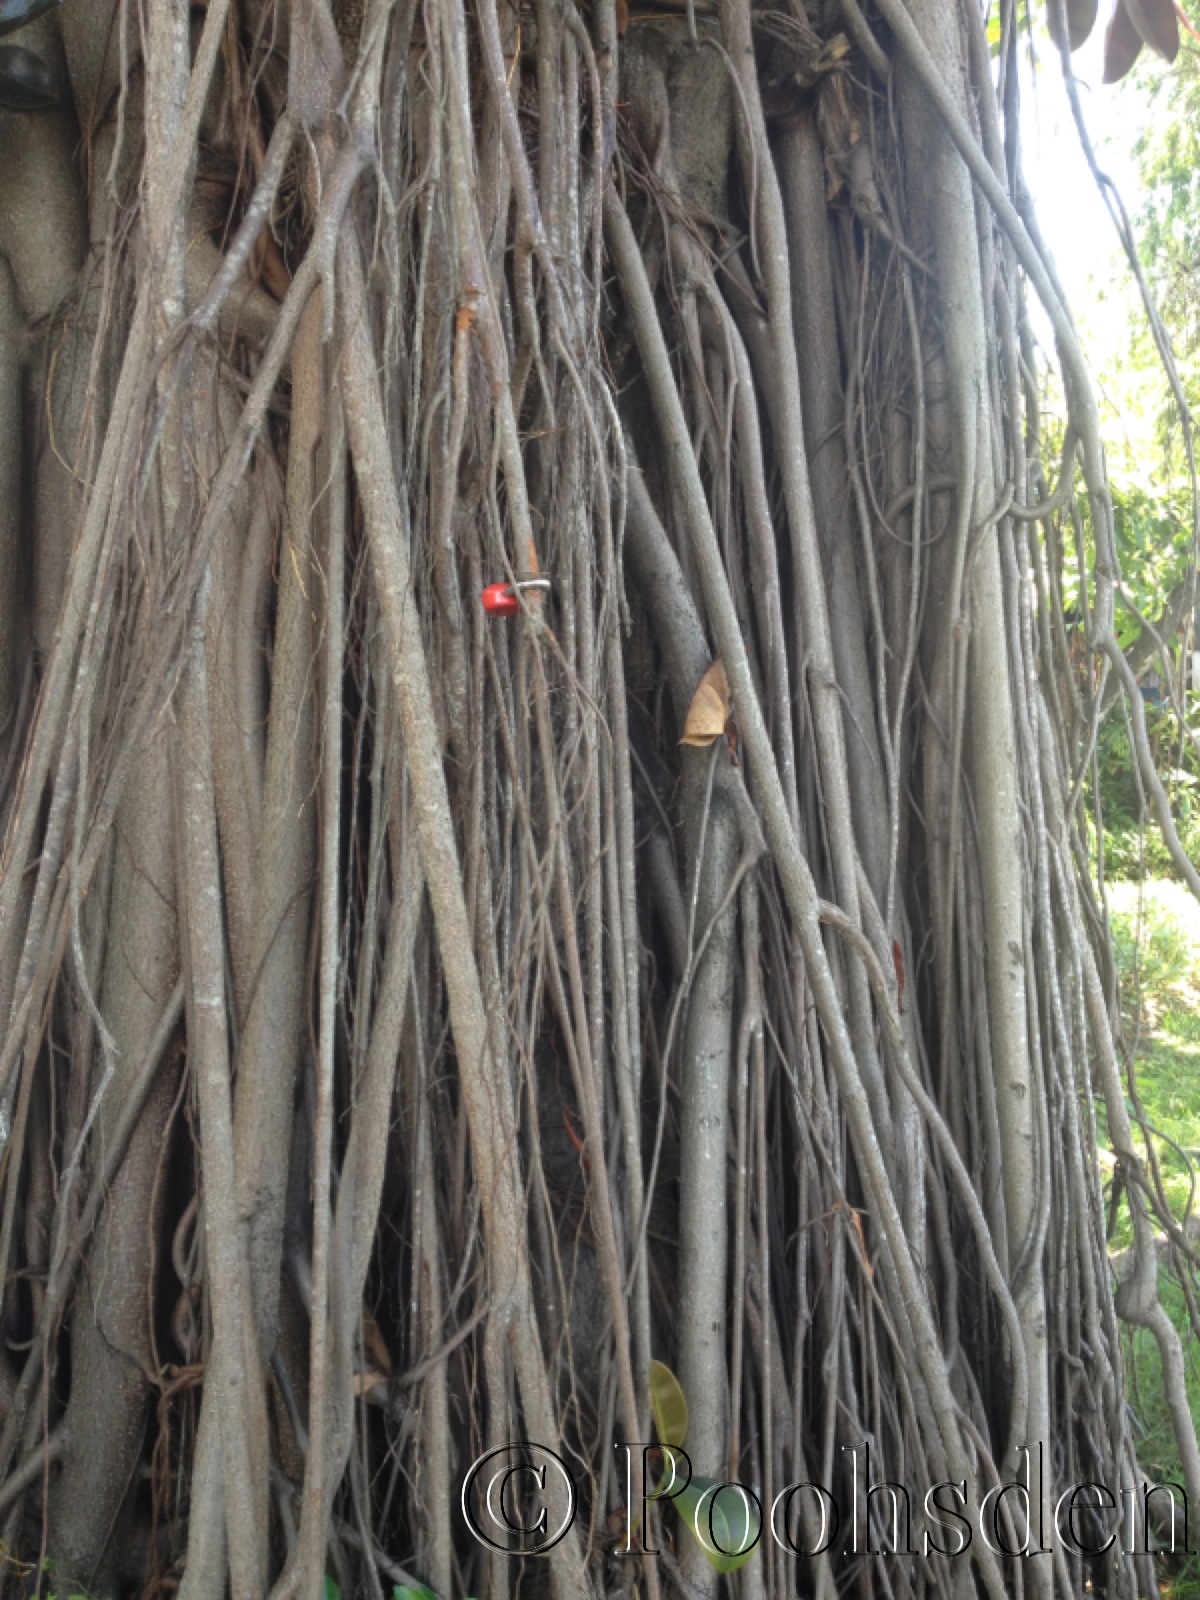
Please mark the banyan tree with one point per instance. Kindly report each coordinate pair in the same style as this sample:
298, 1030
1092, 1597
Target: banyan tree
546, 791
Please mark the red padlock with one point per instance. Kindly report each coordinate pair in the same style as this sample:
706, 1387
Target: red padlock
500, 601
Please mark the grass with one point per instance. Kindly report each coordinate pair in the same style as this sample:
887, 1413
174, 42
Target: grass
1156, 934
1157, 1450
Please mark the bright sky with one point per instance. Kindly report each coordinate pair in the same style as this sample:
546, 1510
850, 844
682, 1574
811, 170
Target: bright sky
1076, 225
1072, 214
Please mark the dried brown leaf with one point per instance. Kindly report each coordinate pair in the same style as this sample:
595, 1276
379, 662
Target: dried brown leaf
1156, 22
269, 267
709, 710
1122, 44
372, 1386
1081, 19
375, 1345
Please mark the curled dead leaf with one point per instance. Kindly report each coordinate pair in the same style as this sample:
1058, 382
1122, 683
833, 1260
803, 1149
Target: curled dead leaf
268, 266
816, 63
860, 1235
709, 710
374, 1344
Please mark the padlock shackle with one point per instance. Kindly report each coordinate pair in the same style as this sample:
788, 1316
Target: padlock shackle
504, 599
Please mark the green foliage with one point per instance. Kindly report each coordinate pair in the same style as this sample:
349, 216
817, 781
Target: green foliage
720, 1517
996, 24
1152, 502
1154, 542
718, 1514
1157, 1449
1133, 845
401, 1591
46, 1566
668, 1404
1156, 941
1155, 923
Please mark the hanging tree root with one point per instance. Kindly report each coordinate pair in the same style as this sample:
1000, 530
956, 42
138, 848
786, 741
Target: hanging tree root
406, 1041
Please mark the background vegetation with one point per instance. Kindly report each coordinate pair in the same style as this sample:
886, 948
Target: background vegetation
420, 1018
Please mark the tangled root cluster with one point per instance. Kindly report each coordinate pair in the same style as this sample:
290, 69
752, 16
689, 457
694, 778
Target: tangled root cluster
408, 1039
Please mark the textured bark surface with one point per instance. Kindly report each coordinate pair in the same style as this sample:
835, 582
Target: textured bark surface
405, 1040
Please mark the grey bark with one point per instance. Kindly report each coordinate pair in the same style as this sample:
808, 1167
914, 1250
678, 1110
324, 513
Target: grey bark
111, 1349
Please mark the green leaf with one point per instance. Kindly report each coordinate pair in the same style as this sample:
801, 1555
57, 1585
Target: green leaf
668, 1405
722, 1518
332, 1592
408, 1591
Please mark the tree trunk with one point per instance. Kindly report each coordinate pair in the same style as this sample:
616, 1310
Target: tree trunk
407, 1041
